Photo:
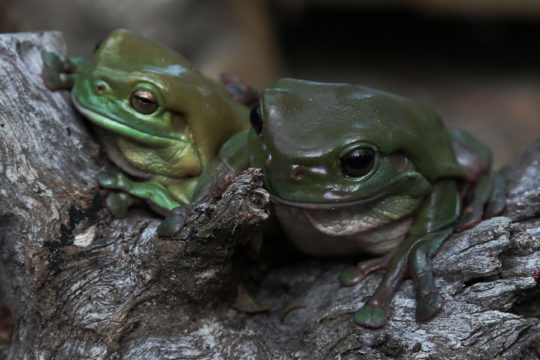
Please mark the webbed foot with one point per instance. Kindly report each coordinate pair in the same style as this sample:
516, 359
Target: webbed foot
158, 197
60, 72
115, 181
239, 90
172, 224
497, 201
428, 306
371, 316
118, 204
471, 216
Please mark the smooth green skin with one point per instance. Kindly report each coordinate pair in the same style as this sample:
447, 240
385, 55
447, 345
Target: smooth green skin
309, 126
168, 148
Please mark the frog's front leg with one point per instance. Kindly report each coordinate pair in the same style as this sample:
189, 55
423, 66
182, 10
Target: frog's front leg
155, 194
61, 71
432, 226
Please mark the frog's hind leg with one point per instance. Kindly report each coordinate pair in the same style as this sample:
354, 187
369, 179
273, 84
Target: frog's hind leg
486, 199
484, 191
476, 198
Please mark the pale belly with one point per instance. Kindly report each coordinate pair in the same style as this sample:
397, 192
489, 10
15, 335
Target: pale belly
374, 230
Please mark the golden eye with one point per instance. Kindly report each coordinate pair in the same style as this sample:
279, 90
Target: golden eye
144, 101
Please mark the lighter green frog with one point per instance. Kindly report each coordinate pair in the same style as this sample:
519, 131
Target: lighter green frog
352, 170
158, 118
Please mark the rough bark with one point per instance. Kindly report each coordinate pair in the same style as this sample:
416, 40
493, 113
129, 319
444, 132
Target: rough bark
84, 285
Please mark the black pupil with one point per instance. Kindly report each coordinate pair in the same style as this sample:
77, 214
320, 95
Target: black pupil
145, 100
358, 162
255, 119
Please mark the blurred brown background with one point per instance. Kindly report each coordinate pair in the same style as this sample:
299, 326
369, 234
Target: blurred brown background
476, 62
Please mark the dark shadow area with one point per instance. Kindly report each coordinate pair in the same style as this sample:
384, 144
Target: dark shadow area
400, 39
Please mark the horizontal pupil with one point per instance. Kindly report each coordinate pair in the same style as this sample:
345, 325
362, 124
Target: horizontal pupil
145, 100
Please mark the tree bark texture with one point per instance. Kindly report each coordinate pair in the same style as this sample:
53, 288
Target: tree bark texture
84, 285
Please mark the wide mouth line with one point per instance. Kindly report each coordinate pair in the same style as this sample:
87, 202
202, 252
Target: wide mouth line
117, 126
342, 204
323, 205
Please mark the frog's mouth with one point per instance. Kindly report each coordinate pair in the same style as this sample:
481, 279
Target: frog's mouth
351, 217
394, 186
130, 131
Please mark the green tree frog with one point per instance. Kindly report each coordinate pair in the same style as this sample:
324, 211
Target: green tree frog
158, 118
352, 170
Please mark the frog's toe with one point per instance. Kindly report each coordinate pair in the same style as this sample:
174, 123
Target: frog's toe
495, 207
52, 61
371, 316
171, 225
354, 275
428, 306
470, 217
111, 180
118, 204
351, 276
497, 201
107, 179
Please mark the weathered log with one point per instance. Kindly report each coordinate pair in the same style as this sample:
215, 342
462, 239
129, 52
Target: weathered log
84, 285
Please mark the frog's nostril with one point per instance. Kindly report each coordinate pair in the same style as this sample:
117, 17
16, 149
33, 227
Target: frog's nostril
101, 87
297, 174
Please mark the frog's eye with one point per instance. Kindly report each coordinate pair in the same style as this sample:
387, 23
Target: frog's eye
358, 162
255, 119
144, 101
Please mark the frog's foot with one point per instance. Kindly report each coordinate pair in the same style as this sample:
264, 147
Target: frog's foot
115, 181
240, 92
470, 217
427, 306
157, 196
119, 203
497, 201
371, 315
429, 301
60, 71
355, 274
374, 313
223, 183
213, 187
474, 211
172, 224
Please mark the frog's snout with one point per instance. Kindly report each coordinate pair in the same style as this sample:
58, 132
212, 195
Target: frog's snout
299, 172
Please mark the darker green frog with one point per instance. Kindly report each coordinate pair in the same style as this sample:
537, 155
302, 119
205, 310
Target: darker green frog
352, 170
